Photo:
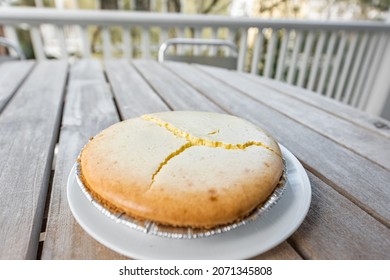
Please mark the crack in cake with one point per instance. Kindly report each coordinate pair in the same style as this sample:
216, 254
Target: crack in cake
185, 169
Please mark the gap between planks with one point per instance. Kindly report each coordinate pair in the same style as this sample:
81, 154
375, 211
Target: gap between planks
16, 89
381, 125
354, 149
54, 153
222, 110
345, 194
152, 87
121, 117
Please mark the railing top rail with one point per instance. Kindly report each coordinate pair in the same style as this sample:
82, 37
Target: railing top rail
121, 18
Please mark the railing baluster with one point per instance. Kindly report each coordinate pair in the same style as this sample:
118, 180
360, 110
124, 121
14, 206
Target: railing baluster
346, 67
180, 34
37, 43
372, 72
197, 34
328, 58
213, 49
242, 50
106, 43
126, 43
257, 51
269, 62
145, 43
61, 39
282, 55
380, 87
306, 53
331, 68
356, 66
231, 37
163, 35
364, 70
85, 42
318, 52
297, 48
336, 65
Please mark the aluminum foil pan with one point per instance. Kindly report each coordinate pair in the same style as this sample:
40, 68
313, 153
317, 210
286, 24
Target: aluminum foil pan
153, 228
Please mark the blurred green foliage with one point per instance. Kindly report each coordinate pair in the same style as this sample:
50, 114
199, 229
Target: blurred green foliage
154, 34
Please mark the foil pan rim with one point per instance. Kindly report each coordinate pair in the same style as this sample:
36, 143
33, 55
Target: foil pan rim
150, 227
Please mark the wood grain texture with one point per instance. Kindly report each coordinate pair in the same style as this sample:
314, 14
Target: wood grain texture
283, 251
12, 75
371, 122
361, 180
28, 128
356, 138
133, 94
89, 108
335, 228
176, 93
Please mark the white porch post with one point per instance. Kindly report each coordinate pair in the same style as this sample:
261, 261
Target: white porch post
381, 84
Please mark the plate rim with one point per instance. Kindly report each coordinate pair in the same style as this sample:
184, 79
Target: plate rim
305, 208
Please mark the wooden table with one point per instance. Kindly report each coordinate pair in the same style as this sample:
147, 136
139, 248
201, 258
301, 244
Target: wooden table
49, 110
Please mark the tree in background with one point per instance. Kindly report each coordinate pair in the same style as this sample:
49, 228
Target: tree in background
142, 5
320, 9
109, 4
174, 6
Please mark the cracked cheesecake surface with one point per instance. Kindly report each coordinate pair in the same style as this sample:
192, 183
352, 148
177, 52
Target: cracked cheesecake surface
192, 169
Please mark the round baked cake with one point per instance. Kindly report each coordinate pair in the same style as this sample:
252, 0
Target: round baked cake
186, 169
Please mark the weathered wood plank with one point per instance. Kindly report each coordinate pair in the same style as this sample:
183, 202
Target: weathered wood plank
351, 114
28, 129
360, 140
335, 228
12, 75
361, 180
178, 94
89, 108
134, 95
284, 251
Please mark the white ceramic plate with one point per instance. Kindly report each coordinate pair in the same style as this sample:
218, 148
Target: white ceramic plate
247, 241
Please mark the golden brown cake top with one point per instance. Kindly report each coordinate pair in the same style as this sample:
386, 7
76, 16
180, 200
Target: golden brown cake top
182, 168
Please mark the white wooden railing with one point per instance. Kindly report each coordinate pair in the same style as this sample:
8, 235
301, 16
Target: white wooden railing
347, 61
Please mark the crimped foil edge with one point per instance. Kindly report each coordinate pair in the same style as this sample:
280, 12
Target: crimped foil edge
150, 227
